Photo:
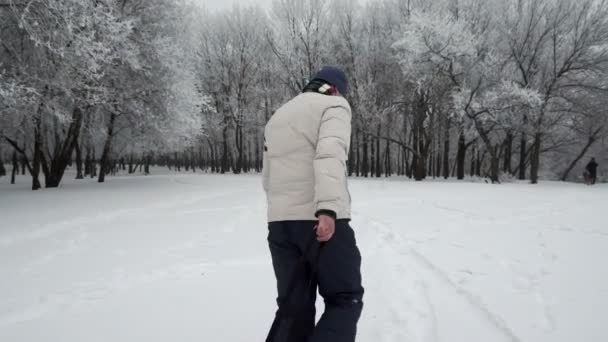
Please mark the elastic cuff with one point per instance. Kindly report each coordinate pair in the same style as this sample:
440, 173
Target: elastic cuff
326, 212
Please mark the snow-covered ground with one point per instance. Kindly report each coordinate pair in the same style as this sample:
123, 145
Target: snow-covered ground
184, 258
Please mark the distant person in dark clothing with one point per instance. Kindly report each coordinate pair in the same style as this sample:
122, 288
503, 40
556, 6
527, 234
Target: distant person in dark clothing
591, 172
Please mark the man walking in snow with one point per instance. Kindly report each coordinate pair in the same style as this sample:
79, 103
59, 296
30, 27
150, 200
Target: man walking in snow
305, 179
592, 171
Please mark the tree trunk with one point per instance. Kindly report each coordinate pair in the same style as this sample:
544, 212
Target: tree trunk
417, 160
37, 155
446, 150
373, 158
421, 158
131, 170
2, 168
404, 162
214, 161
378, 157
419, 168
421, 146
193, 161
87, 163
431, 164
535, 161
358, 147
508, 150
438, 163
217, 160
107, 149
147, 164
247, 159
494, 166
15, 168
522, 156
472, 166
207, 164
408, 166
224, 166
479, 162
351, 156
258, 155
202, 159
79, 168
365, 164
64, 151
93, 163
388, 170
399, 162
460, 157
239, 147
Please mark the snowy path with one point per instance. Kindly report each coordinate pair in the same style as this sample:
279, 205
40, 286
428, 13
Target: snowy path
184, 258
424, 298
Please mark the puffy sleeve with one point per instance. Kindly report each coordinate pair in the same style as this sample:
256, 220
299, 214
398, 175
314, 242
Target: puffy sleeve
330, 159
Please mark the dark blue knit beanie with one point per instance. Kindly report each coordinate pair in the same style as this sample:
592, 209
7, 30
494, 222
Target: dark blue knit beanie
334, 76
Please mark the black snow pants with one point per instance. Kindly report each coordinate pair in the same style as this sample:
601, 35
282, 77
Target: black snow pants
334, 267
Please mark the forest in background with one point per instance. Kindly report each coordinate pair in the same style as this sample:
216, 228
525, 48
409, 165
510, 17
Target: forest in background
442, 88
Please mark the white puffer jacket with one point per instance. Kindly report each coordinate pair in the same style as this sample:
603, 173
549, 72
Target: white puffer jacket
305, 159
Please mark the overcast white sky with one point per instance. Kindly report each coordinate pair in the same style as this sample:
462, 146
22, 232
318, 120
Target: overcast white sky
220, 4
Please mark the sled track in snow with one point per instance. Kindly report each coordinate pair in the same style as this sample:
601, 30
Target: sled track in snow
475, 302
426, 269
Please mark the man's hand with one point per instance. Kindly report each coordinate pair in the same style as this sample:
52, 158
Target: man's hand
326, 228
